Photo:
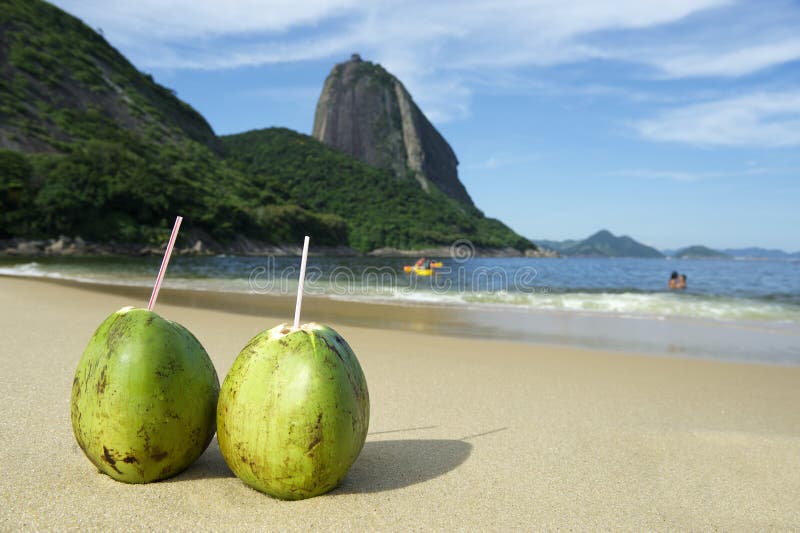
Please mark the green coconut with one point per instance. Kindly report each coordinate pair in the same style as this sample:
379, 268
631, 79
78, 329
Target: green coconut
293, 411
144, 397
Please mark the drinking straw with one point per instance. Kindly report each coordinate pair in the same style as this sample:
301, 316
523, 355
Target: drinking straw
164, 263
302, 283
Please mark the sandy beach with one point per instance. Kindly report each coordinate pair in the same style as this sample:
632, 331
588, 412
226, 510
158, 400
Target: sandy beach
464, 434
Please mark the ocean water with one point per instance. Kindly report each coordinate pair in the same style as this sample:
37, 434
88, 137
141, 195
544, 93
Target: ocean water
717, 289
761, 297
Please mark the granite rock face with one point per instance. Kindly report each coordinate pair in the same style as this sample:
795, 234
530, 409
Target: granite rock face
367, 113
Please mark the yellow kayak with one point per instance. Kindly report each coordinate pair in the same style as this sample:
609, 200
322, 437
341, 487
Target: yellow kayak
418, 271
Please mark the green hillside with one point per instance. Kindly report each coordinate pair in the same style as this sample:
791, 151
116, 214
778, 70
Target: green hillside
61, 82
97, 149
380, 210
90, 146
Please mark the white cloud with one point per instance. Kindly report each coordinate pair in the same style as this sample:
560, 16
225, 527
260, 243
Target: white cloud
433, 47
692, 176
443, 50
210, 58
444, 35
760, 119
177, 20
738, 62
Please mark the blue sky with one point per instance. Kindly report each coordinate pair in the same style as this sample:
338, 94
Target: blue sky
673, 122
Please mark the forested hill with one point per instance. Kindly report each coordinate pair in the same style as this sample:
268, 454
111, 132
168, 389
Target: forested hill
380, 209
90, 146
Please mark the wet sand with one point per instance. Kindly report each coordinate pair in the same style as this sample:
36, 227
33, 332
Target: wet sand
737, 341
465, 433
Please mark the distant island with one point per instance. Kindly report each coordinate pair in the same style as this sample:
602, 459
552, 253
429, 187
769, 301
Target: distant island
96, 156
699, 252
601, 244
755, 252
556, 246
606, 244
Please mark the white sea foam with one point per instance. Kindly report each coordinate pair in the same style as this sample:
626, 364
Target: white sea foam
37, 270
629, 305
656, 305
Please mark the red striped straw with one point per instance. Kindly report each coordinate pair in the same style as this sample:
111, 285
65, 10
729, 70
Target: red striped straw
302, 283
164, 263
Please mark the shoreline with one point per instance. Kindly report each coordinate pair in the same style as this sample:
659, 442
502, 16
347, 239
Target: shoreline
201, 245
491, 433
675, 336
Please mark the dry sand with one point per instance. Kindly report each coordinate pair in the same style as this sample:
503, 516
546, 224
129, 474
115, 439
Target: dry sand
467, 434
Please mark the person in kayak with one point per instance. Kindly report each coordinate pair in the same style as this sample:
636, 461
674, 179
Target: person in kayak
421, 263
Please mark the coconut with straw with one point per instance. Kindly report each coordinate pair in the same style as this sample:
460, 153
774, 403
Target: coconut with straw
144, 394
293, 410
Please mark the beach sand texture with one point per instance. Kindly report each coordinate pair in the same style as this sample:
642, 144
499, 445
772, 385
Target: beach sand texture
470, 434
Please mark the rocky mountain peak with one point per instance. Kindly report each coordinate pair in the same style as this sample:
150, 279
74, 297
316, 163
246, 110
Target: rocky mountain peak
366, 112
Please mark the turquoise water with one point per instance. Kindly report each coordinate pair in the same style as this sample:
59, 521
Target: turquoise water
727, 290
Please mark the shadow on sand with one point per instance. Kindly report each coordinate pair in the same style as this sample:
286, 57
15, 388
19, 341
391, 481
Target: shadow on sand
209, 465
382, 465
394, 464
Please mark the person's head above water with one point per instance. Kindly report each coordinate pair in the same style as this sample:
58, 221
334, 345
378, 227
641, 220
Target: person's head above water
674, 275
